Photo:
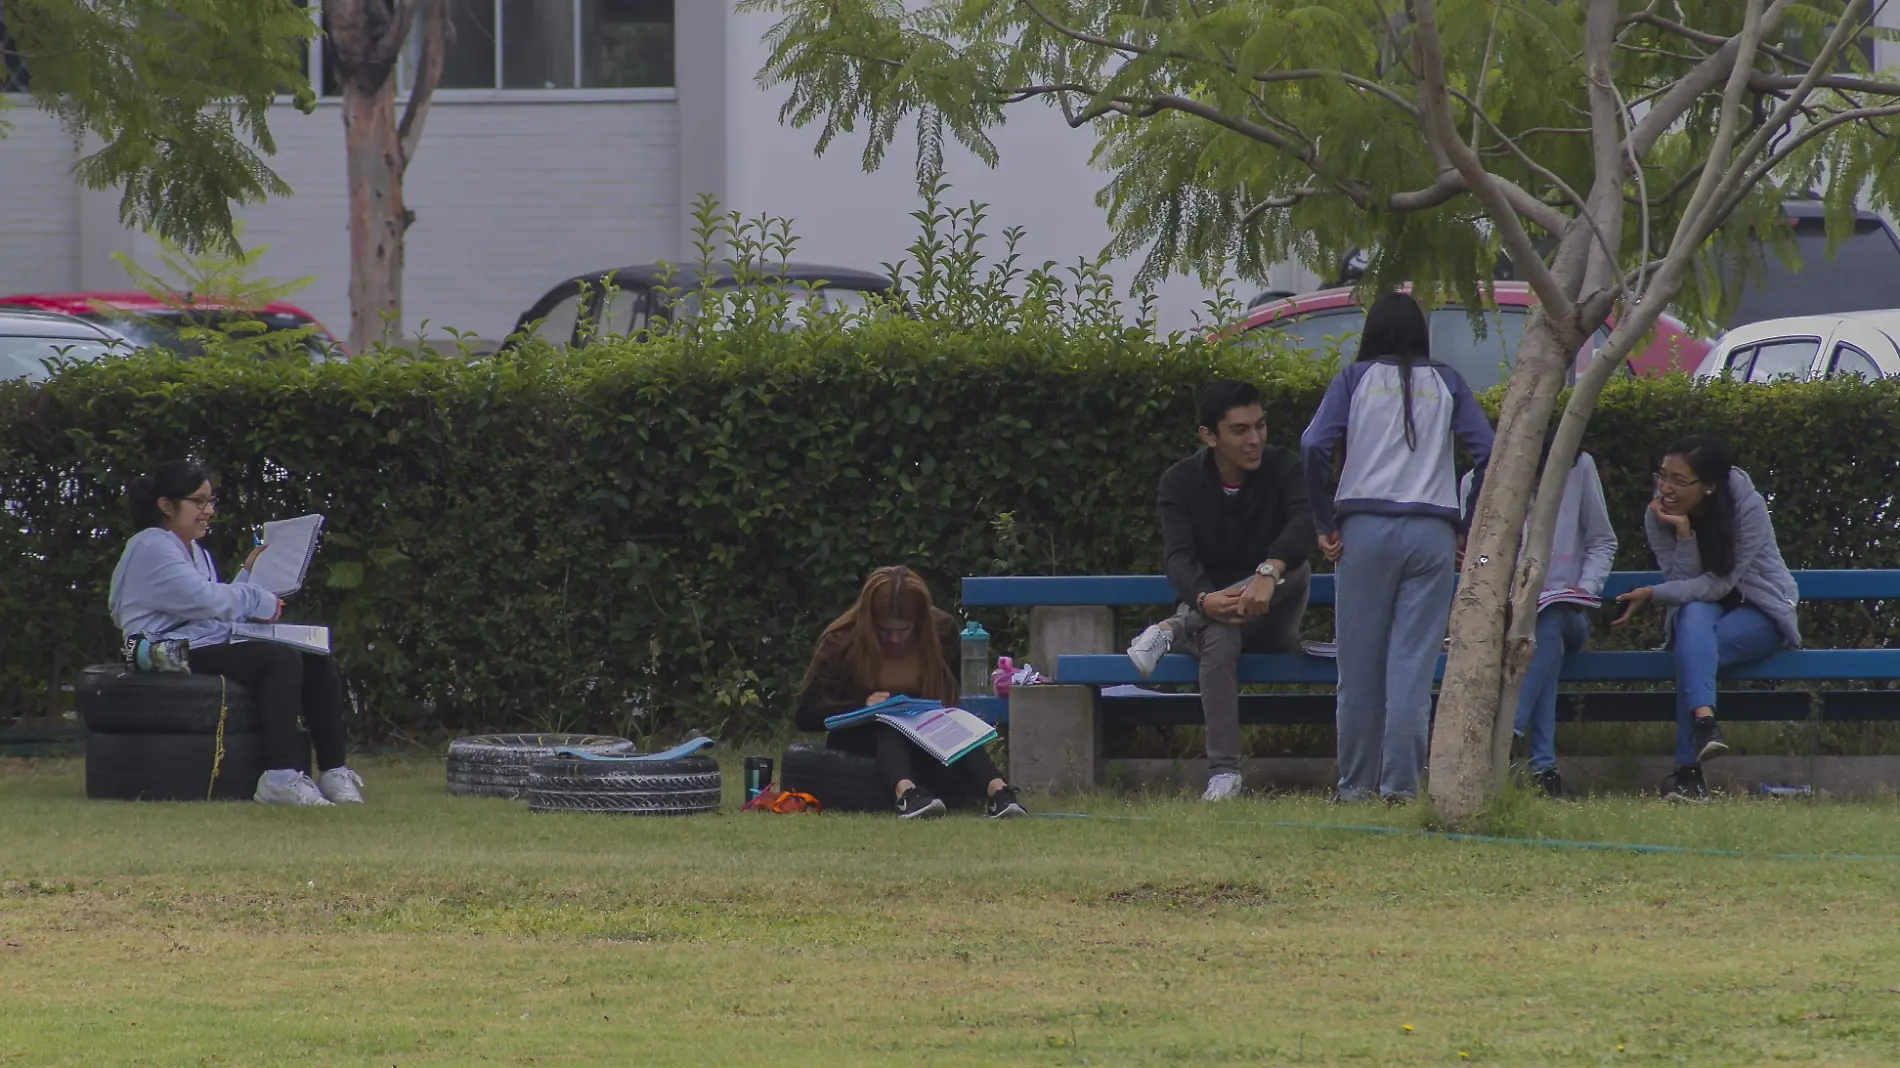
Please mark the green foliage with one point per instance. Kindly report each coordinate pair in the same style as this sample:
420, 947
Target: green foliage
1247, 133
651, 533
213, 290
178, 91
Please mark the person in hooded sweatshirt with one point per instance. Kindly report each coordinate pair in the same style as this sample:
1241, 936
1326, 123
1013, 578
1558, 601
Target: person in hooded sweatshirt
1729, 597
1582, 551
1392, 529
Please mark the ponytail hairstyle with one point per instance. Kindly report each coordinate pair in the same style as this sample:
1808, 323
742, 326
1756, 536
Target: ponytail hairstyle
1396, 330
171, 480
1710, 459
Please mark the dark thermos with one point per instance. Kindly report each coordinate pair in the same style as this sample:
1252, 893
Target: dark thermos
758, 776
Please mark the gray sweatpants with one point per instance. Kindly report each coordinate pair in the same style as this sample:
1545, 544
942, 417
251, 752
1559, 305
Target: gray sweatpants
1392, 601
1218, 647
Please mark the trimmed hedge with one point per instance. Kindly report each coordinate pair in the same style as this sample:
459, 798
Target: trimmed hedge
650, 534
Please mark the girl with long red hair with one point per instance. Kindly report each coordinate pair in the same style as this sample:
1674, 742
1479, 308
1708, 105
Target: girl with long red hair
894, 641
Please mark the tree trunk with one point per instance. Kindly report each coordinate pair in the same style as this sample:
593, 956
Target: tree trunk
1475, 676
375, 167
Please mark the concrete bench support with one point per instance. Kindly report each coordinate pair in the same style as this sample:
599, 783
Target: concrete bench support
1055, 738
1058, 632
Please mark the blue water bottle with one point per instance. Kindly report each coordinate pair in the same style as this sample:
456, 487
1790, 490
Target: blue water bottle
976, 660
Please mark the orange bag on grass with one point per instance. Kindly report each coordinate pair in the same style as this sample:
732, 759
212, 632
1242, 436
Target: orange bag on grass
772, 799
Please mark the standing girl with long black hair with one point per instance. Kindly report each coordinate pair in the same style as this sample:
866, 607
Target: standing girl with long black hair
1392, 528
1730, 598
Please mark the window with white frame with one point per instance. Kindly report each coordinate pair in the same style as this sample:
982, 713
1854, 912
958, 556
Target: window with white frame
546, 44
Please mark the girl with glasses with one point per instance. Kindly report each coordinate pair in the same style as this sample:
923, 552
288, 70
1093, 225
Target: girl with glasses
1729, 597
166, 587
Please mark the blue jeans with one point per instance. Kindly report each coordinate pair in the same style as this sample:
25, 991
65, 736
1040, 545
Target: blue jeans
1561, 630
1707, 640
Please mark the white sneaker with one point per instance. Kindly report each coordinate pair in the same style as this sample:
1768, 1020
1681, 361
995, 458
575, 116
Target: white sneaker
1223, 787
1149, 647
342, 786
285, 787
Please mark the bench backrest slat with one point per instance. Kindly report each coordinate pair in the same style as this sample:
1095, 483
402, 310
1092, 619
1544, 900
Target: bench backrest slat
1025, 591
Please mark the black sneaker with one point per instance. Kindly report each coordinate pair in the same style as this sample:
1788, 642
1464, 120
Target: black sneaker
1004, 806
1550, 782
1686, 785
1708, 739
916, 804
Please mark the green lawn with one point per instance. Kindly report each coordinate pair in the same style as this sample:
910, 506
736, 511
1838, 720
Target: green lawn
430, 930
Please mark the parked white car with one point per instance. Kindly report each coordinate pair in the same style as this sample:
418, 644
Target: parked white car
1863, 344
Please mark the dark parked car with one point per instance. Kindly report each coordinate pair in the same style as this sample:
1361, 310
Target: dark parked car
581, 307
1864, 274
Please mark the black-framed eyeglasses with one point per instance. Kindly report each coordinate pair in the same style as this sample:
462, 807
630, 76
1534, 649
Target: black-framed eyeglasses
1674, 482
205, 503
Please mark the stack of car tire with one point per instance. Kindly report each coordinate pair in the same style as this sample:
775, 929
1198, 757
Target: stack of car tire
158, 737
582, 773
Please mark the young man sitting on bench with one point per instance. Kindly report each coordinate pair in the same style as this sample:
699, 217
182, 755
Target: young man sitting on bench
1238, 530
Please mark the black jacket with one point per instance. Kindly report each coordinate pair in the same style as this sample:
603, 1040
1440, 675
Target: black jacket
1214, 541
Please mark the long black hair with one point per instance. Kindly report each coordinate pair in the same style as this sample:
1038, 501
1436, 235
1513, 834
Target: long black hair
1711, 460
1396, 330
172, 480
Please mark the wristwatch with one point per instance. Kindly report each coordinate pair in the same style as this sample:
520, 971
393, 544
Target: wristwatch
1267, 570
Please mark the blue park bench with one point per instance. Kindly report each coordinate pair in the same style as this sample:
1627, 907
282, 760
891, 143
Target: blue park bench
1123, 706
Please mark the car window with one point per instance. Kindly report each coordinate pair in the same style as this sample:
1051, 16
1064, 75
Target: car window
1484, 361
1849, 360
179, 332
1783, 358
626, 311
1309, 332
25, 357
557, 326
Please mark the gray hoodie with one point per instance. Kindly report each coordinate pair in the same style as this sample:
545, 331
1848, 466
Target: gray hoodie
1759, 574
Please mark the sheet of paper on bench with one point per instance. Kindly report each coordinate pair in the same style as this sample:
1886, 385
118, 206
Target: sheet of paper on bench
949, 734
295, 635
289, 546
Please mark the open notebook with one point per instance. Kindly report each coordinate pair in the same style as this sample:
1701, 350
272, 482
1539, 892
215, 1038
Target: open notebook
289, 546
949, 734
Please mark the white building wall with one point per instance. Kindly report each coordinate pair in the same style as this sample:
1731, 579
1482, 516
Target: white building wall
39, 215
510, 197
1044, 182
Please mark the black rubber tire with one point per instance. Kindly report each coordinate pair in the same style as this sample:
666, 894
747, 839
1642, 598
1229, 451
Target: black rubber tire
841, 781
625, 804
114, 699
176, 767
680, 787
496, 765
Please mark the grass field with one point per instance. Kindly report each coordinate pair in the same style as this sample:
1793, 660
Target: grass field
430, 930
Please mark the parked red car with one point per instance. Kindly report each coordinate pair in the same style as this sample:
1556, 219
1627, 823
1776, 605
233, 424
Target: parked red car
154, 323
1483, 361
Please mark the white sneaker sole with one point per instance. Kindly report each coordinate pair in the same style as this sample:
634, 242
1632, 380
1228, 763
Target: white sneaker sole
931, 811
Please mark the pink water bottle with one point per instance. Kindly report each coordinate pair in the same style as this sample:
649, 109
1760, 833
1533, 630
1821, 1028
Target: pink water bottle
1000, 678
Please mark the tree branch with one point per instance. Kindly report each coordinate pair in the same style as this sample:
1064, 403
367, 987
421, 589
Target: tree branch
435, 47
1504, 214
1665, 112
398, 30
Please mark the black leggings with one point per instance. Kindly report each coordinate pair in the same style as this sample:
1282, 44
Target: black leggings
897, 759
286, 683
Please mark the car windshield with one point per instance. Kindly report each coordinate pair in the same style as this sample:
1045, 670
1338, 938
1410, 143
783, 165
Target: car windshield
1864, 275
1483, 360
797, 299
26, 357
168, 330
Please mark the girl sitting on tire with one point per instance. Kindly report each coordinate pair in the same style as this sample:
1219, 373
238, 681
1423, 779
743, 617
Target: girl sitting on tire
166, 587
880, 647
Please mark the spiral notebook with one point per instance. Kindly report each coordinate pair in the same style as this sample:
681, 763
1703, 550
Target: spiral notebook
289, 546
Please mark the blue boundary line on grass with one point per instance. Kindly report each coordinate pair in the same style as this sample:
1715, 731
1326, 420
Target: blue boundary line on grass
1492, 839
